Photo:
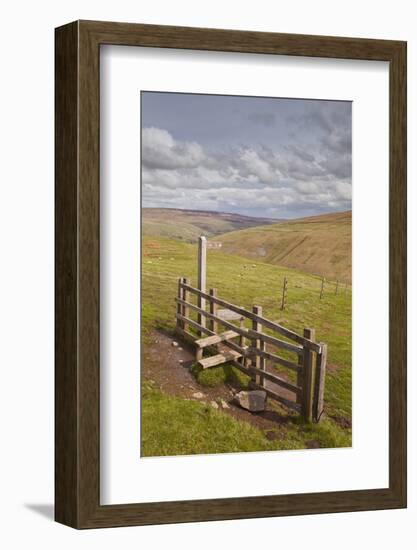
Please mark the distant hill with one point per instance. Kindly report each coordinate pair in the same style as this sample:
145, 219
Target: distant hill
188, 225
321, 245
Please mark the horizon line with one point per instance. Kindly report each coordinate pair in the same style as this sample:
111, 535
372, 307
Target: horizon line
245, 215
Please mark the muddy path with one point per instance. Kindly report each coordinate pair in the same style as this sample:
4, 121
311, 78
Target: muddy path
169, 367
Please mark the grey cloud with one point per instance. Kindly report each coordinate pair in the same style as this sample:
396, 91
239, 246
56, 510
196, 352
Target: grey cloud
301, 153
282, 181
161, 151
337, 142
340, 166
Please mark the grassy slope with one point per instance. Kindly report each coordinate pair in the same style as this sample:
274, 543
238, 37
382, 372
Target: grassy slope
188, 225
164, 261
319, 245
173, 426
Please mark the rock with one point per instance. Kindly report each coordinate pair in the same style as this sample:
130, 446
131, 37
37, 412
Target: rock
214, 404
174, 344
253, 265
224, 404
198, 395
253, 401
180, 361
179, 349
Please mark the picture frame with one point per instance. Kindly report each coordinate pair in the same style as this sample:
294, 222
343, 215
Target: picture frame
77, 222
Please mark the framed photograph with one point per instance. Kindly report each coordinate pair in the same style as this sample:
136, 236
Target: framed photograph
230, 274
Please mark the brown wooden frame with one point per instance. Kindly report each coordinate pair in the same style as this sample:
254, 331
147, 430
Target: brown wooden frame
77, 406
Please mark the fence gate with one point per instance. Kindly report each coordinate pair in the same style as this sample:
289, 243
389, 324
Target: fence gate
248, 341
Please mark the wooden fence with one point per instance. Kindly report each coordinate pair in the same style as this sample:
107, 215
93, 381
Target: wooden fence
219, 326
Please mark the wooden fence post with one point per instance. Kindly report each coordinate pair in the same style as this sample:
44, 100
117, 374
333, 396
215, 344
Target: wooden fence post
213, 309
180, 324
308, 377
260, 362
242, 341
185, 297
318, 404
300, 378
202, 267
284, 293
322, 288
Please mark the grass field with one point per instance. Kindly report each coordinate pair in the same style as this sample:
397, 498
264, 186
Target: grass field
318, 245
174, 425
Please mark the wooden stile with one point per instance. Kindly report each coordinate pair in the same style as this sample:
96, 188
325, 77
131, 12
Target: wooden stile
249, 371
259, 345
219, 320
194, 324
185, 297
310, 365
213, 309
215, 339
318, 404
202, 268
251, 334
180, 323
266, 323
308, 378
242, 342
276, 342
219, 359
275, 359
300, 376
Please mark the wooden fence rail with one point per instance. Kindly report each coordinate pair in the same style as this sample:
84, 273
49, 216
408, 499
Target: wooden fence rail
254, 317
246, 348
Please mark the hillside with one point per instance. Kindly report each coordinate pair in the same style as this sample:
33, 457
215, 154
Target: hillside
188, 225
174, 421
320, 245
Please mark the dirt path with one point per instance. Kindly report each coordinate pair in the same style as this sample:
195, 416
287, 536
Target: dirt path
169, 368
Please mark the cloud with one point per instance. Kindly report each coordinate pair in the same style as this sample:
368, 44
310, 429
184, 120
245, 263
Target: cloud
161, 151
327, 130
254, 179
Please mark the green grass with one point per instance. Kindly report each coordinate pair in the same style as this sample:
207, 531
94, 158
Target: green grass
217, 376
319, 245
173, 426
238, 281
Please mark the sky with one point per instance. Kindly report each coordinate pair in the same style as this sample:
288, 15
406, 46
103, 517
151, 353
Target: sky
266, 157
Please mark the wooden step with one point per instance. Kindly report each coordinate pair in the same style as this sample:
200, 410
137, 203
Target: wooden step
223, 357
215, 339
